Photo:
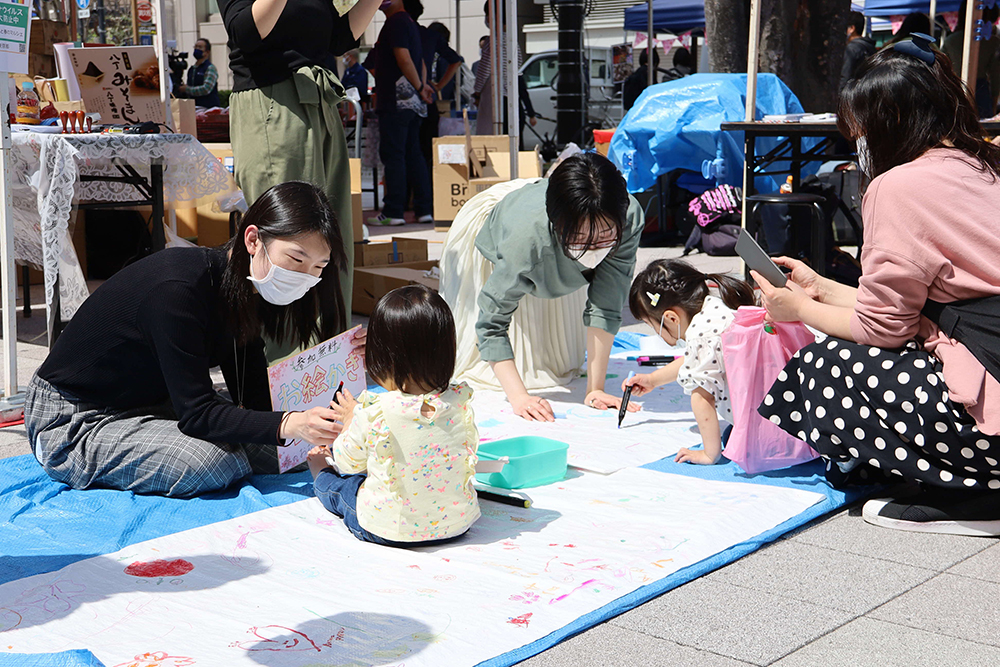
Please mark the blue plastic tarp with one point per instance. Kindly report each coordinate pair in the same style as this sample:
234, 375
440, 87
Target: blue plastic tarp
75, 658
676, 125
674, 16
897, 7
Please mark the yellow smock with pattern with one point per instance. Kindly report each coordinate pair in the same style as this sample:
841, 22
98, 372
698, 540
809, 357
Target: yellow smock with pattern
420, 468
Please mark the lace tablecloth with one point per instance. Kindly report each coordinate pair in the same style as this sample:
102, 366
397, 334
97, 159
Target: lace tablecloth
45, 172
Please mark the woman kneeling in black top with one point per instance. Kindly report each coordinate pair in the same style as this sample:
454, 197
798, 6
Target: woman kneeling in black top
125, 399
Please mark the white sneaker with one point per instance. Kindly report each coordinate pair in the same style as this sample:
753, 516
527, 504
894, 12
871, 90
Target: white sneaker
424, 219
976, 515
381, 219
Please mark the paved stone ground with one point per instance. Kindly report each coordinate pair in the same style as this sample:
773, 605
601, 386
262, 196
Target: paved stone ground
836, 592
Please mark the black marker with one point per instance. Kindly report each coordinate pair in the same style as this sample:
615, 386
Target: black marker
340, 390
625, 398
516, 501
655, 360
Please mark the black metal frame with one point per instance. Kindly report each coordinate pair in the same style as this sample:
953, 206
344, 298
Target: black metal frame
151, 193
789, 149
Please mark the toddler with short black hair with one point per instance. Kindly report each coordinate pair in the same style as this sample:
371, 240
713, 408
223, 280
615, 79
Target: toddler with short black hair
405, 461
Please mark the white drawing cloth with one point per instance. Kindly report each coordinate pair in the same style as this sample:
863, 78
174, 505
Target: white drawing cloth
420, 468
703, 366
660, 429
547, 335
290, 586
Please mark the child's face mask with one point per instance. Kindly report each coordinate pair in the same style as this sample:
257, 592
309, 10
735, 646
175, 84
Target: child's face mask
671, 339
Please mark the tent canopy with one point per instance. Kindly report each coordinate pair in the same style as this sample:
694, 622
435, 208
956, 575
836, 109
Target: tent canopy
674, 16
897, 7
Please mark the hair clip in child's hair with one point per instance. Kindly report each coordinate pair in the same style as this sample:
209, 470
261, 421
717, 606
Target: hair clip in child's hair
918, 46
653, 298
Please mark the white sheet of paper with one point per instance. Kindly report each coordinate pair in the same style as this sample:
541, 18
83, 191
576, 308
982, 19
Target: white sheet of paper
663, 426
309, 380
290, 586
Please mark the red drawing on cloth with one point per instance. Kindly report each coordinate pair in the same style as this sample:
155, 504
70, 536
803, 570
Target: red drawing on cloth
296, 641
159, 568
157, 659
521, 620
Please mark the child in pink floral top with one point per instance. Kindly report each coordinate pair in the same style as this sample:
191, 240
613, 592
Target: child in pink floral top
405, 460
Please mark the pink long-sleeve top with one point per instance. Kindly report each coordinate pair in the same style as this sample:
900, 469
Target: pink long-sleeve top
932, 230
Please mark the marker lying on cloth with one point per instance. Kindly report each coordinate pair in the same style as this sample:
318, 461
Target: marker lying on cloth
516, 499
656, 360
627, 395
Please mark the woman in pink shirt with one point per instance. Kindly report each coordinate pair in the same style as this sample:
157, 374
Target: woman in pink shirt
887, 393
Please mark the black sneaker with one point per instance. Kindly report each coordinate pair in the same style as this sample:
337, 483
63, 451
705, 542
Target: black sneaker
938, 512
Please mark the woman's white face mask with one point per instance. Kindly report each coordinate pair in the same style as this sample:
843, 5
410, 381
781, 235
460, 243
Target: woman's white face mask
282, 286
594, 256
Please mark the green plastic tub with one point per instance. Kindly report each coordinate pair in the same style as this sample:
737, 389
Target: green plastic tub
533, 461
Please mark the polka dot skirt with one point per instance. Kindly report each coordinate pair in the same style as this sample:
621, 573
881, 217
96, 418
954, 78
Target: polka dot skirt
867, 408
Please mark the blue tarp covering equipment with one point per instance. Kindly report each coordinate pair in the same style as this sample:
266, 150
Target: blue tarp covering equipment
675, 125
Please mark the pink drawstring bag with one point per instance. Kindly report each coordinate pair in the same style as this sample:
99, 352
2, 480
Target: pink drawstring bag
755, 352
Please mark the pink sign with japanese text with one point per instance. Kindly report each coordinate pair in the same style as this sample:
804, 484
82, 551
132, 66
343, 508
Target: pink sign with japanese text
309, 380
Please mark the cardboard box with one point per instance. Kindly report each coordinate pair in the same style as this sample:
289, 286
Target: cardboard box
355, 163
41, 65
451, 181
372, 283
399, 250
357, 219
46, 33
481, 145
185, 122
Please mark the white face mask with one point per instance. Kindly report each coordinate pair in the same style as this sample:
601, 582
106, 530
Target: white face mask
864, 156
591, 258
281, 286
679, 342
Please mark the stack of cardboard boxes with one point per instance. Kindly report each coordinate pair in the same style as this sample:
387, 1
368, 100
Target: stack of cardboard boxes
381, 267
465, 166
41, 57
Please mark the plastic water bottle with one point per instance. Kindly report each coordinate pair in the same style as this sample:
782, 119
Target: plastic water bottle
787, 187
27, 105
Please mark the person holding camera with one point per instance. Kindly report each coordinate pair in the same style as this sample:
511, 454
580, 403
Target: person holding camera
202, 77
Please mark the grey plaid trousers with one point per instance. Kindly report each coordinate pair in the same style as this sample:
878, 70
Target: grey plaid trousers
141, 450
